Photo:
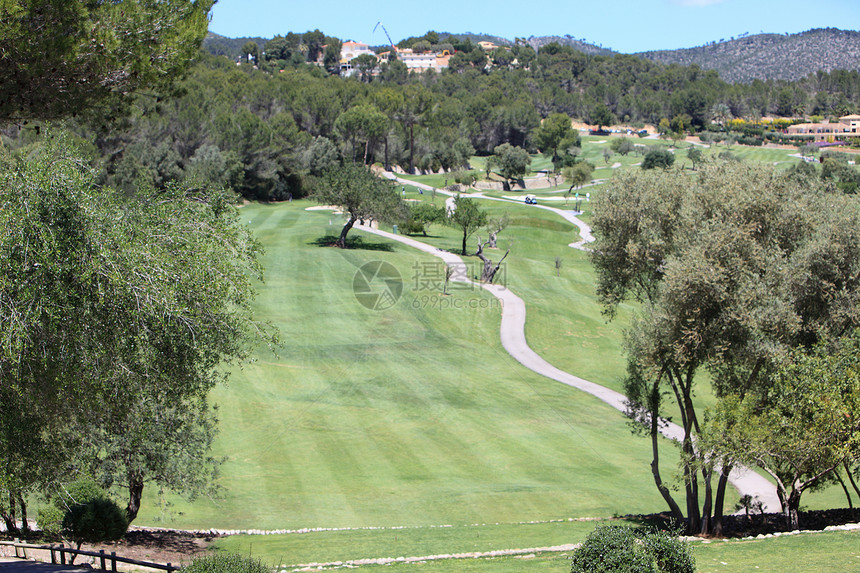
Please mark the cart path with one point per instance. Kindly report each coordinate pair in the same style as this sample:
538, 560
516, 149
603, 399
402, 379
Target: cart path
570, 216
512, 332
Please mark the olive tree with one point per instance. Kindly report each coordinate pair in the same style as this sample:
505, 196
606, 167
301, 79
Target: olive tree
814, 401
734, 265
511, 161
467, 217
119, 314
361, 194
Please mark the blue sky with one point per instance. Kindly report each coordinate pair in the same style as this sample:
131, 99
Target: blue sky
624, 25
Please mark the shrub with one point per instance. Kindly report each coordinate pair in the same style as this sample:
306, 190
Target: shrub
752, 131
728, 156
754, 141
615, 549
658, 158
621, 145
50, 519
411, 227
839, 156
420, 216
226, 563
78, 492
96, 520
465, 177
83, 513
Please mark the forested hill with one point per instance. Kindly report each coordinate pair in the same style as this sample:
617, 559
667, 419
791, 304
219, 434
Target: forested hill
582, 45
771, 56
475, 38
743, 59
218, 45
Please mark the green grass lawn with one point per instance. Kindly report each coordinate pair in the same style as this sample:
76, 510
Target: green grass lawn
564, 321
821, 552
413, 416
835, 552
319, 547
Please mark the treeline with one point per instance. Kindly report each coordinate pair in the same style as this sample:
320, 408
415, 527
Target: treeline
268, 130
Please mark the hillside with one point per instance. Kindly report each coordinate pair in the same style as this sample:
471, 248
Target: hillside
475, 38
582, 45
218, 45
771, 56
743, 59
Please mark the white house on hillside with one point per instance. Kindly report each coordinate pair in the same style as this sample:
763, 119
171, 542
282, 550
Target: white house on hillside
351, 50
348, 52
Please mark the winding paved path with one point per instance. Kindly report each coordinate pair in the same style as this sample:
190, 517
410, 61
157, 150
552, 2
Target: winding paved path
512, 332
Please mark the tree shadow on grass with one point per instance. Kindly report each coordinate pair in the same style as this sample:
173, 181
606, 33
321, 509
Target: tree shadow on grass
756, 523
421, 236
352, 243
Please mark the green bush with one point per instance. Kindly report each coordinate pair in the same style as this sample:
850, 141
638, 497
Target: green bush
83, 513
78, 492
96, 520
615, 549
754, 141
658, 158
226, 563
50, 519
752, 131
465, 177
412, 227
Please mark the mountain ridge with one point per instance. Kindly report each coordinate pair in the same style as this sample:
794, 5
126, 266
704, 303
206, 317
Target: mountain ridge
771, 56
764, 56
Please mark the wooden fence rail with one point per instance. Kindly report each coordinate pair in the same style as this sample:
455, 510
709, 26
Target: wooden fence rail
59, 552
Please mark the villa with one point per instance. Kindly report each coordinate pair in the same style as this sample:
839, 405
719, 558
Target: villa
847, 126
419, 61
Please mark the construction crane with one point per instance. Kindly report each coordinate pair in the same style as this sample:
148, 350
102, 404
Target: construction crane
380, 25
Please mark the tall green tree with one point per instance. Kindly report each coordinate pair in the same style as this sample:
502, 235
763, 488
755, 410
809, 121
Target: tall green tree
63, 58
467, 217
601, 115
362, 122
416, 100
388, 100
365, 63
512, 162
331, 55
251, 50
362, 195
734, 266
801, 428
119, 313
554, 136
314, 41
